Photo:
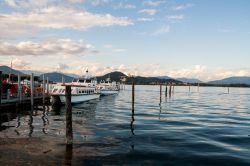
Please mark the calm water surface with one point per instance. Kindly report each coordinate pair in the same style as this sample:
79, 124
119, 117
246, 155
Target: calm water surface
209, 127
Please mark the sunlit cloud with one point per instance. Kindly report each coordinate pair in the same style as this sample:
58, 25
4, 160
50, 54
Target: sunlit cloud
176, 17
162, 30
183, 6
57, 18
153, 3
51, 47
148, 11
144, 19
124, 6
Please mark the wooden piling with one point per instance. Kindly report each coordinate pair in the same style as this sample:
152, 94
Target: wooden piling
166, 90
133, 95
47, 85
32, 89
189, 88
69, 132
19, 93
198, 87
0, 87
228, 90
160, 92
43, 89
170, 89
173, 89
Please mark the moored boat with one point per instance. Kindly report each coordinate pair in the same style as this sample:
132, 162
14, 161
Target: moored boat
108, 88
82, 89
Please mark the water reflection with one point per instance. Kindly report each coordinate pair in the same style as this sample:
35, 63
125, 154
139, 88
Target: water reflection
68, 154
132, 126
30, 123
45, 118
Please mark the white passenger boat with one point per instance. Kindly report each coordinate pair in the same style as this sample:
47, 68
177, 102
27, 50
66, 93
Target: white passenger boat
82, 89
108, 88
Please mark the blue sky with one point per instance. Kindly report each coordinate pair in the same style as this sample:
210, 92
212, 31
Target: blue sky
206, 39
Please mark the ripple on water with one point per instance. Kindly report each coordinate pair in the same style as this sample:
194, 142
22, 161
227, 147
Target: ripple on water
209, 127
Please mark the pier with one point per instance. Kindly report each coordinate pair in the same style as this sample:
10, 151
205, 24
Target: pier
15, 94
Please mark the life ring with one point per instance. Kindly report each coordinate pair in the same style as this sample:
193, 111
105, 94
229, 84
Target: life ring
89, 85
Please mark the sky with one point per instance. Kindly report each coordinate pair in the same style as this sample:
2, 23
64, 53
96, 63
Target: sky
206, 39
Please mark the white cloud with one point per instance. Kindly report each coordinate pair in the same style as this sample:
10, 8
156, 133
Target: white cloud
75, 1
48, 48
26, 3
99, 2
144, 19
57, 18
183, 6
61, 67
153, 3
148, 11
20, 64
124, 6
176, 17
163, 30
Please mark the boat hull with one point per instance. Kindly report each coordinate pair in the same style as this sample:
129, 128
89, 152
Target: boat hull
108, 92
78, 98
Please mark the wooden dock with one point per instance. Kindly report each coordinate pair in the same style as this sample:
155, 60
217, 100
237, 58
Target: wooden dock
25, 102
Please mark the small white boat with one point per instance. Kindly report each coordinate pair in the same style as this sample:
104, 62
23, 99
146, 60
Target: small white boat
82, 89
108, 88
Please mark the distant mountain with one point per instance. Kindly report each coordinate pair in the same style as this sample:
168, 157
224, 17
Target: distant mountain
114, 76
72, 75
28, 72
7, 70
232, 80
189, 80
57, 77
164, 77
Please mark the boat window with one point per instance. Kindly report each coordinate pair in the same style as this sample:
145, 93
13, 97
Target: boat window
81, 80
88, 81
63, 90
55, 90
74, 80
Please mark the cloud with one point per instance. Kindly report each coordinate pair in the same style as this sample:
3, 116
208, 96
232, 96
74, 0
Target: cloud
99, 2
61, 66
183, 6
46, 48
20, 64
153, 3
124, 6
176, 17
163, 30
144, 19
26, 3
148, 11
57, 18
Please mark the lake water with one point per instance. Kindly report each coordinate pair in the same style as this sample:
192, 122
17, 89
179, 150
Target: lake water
209, 127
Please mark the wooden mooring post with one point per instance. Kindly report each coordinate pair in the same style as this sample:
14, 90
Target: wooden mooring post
19, 93
228, 90
166, 90
68, 106
160, 93
189, 89
133, 95
170, 89
32, 89
47, 85
43, 89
